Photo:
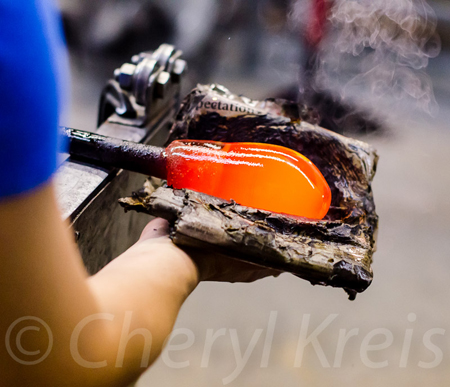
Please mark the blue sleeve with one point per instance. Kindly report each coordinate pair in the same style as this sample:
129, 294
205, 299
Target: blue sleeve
30, 35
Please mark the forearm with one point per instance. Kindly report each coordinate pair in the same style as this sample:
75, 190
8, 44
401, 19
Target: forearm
146, 286
44, 277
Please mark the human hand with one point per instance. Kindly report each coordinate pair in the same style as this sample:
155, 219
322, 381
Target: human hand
210, 267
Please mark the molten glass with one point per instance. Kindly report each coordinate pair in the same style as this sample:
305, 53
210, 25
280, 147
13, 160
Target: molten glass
265, 176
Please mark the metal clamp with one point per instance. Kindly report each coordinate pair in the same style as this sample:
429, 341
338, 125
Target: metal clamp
139, 105
142, 88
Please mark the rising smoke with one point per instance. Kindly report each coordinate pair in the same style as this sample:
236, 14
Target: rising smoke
380, 49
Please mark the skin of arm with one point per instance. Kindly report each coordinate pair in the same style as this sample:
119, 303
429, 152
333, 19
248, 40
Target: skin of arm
143, 289
43, 276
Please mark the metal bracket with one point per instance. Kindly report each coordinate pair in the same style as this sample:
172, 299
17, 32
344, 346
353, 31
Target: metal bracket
144, 87
139, 105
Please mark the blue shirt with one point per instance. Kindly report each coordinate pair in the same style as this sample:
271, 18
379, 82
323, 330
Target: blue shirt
31, 46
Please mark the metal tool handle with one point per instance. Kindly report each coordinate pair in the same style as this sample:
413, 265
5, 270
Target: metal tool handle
113, 152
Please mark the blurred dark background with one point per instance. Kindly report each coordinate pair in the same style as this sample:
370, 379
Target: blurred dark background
255, 48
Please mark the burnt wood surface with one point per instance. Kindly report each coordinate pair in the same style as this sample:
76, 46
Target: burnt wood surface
335, 251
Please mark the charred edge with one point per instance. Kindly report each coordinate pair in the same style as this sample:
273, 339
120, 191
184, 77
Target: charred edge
297, 112
352, 278
330, 231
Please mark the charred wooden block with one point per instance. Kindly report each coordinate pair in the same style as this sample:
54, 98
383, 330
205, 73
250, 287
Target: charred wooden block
336, 251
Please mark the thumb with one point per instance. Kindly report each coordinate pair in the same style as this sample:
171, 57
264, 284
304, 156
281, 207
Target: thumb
157, 228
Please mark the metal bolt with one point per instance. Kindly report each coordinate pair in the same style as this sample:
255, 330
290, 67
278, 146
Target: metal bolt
179, 69
125, 76
135, 59
163, 54
162, 83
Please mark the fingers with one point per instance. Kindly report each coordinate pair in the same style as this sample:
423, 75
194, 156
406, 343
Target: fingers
252, 275
225, 269
210, 267
155, 229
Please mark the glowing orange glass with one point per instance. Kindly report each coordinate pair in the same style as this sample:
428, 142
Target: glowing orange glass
265, 176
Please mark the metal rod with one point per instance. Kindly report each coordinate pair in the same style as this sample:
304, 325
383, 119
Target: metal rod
113, 152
